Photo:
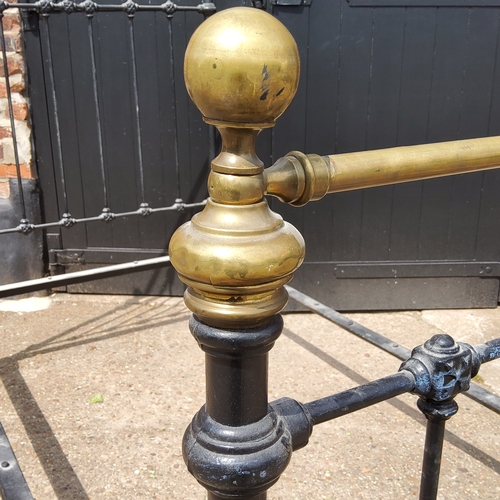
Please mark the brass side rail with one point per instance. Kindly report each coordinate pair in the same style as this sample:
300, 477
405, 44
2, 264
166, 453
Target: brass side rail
298, 178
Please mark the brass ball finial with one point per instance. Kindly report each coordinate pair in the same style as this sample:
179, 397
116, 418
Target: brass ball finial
242, 68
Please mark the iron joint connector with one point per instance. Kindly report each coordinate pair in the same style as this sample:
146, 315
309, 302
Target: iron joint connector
67, 221
442, 369
25, 227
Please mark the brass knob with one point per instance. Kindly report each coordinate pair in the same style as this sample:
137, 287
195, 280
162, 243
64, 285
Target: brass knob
242, 67
241, 70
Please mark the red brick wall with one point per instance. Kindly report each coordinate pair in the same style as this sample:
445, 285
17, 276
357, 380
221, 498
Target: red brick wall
15, 62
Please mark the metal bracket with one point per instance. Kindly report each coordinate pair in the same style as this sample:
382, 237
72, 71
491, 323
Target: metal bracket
416, 269
258, 4
423, 3
291, 3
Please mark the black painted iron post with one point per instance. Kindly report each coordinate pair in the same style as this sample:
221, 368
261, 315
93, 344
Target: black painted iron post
442, 368
241, 70
237, 446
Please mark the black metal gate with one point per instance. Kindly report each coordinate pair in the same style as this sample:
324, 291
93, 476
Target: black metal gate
117, 143
386, 73
374, 74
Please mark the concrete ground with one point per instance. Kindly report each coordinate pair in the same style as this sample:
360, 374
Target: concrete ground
97, 392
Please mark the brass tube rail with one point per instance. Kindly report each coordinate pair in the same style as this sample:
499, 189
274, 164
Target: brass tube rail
390, 166
299, 178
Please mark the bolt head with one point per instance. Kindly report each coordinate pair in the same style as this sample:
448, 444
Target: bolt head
442, 344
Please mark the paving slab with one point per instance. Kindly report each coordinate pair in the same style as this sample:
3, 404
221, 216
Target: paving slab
97, 391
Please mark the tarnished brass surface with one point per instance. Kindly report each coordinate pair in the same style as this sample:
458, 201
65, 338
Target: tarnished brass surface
242, 66
298, 178
241, 70
390, 166
235, 259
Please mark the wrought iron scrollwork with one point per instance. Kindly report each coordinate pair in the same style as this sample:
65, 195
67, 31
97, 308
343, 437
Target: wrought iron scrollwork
46, 7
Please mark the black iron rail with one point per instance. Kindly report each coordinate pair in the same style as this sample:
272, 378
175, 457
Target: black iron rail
433, 451
106, 216
424, 374
360, 397
13, 485
100, 128
475, 392
12, 119
89, 7
82, 276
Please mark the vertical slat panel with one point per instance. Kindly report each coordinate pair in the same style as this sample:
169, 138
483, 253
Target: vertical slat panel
385, 77
488, 232
264, 147
192, 131
40, 119
169, 130
346, 226
352, 108
446, 93
322, 89
405, 218
416, 75
112, 58
376, 224
291, 127
413, 115
494, 113
448, 73
80, 130
382, 123
285, 136
478, 73
65, 95
87, 168
323, 76
54, 117
120, 151
151, 229
186, 116
473, 122
464, 215
354, 78
434, 219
